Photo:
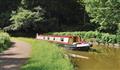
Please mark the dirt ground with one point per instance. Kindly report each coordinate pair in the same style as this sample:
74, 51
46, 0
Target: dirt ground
15, 57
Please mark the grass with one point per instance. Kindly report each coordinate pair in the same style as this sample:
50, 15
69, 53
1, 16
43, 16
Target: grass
46, 56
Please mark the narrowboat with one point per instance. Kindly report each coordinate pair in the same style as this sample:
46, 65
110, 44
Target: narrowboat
74, 42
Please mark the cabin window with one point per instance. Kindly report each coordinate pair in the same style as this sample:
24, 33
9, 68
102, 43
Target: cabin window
53, 38
48, 38
62, 39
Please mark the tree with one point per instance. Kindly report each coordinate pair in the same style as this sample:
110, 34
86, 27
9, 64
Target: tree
59, 15
24, 20
6, 6
67, 14
104, 12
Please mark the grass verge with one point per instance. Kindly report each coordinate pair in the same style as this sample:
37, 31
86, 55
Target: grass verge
46, 56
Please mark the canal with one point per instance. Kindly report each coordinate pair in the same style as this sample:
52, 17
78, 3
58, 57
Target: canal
97, 58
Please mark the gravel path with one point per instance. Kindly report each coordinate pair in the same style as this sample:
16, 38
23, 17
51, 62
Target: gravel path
15, 57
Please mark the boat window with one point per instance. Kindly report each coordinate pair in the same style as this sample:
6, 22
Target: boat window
62, 39
53, 38
48, 38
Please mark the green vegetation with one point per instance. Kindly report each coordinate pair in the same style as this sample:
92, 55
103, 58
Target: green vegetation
46, 56
28, 17
5, 11
98, 37
43, 15
105, 13
4, 41
22, 17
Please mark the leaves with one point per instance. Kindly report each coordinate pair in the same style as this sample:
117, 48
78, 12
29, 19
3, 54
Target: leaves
4, 41
23, 19
104, 12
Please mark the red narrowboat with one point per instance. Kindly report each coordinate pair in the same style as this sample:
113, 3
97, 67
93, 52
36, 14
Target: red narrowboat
74, 41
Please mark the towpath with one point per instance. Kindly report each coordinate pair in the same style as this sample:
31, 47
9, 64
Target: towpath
16, 56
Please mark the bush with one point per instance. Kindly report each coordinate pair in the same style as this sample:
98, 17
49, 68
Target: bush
4, 41
118, 39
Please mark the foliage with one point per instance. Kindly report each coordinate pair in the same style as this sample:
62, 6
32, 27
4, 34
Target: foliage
24, 20
100, 37
118, 39
5, 11
118, 31
4, 19
58, 15
59, 9
104, 12
46, 56
4, 41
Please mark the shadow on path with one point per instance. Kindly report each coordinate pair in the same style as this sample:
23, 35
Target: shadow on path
12, 63
15, 57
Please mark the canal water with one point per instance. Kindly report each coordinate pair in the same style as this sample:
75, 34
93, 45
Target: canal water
97, 58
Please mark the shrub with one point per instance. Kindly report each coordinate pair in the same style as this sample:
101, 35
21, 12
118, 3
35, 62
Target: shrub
4, 41
118, 39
